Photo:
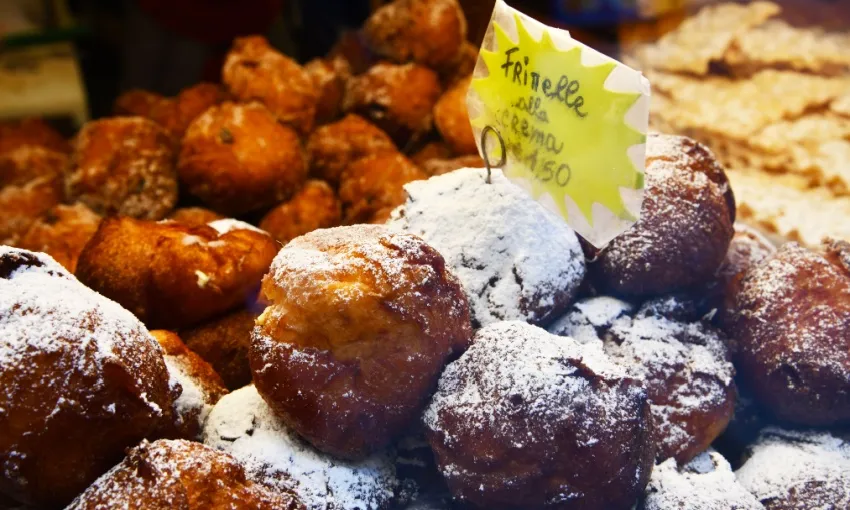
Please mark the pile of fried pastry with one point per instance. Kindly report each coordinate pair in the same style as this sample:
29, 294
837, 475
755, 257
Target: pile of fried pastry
772, 100
451, 345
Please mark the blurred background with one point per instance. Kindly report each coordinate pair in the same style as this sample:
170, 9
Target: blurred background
74, 57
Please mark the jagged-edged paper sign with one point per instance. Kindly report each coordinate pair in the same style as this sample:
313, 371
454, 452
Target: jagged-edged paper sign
572, 120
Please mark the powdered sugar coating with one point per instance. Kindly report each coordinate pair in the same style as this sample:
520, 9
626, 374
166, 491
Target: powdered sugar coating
791, 470
229, 224
243, 425
791, 318
180, 475
684, 366
515, 259
706, 483
520, 399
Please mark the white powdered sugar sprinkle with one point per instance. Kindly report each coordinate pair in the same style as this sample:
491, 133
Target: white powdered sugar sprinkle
226, 225
243, 425
706, 483
194, 403
798, 470
515, 259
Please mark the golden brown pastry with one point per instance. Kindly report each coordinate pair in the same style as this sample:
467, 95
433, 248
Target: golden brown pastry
62, 232
374, 183
790, 315
30, 184
526, 419
201, 387
360, 322
176, 114
254, 70
333, 147
353, 48
137, 103
223, 343
397, 98
429, 32
123, 166
32, 132
452, 118
461, 67
82, 380
329, 77
174, 276
181, 475
315, 206
685, 224
237, 158
443, 166
437, 149
194, 216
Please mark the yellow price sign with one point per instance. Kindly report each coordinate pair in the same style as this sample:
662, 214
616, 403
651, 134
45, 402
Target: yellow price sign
573, 123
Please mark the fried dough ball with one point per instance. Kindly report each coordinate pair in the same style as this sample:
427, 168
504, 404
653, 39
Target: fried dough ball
62, 233
175, 276
525, 419
429, 32
30, 184
137, 103
795, 470
397, 98
82, 380
243, 425
706, 483
315, 206
201, 386
685, 224
452, 118
329, 77
516, 260
790, 315
374, 183
31, 132
237, 158
224, 344
254, 70
352, 47
359, 325
683, 365
176, 114
181, 475
432, 150
194, 216
462, 66
444, 166
123, 166
333, 147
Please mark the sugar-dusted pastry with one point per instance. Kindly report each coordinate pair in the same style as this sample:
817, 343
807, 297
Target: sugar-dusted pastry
333, 147
62, 232
315, 206
224, 342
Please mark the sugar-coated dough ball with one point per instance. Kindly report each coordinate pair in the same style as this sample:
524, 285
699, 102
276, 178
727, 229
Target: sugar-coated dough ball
360, 322
62, 233
333, 147
30, 185
330, 77
174, 276
201, 387
244, 426
516, 260
399, 99
526, 419
180, 475
429, 32
683, 365
790, 316
82, 380
793, 470
374, 185
123, 166
315, 206
685, 224
452, 118
237, 158
253, 70
705, 483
